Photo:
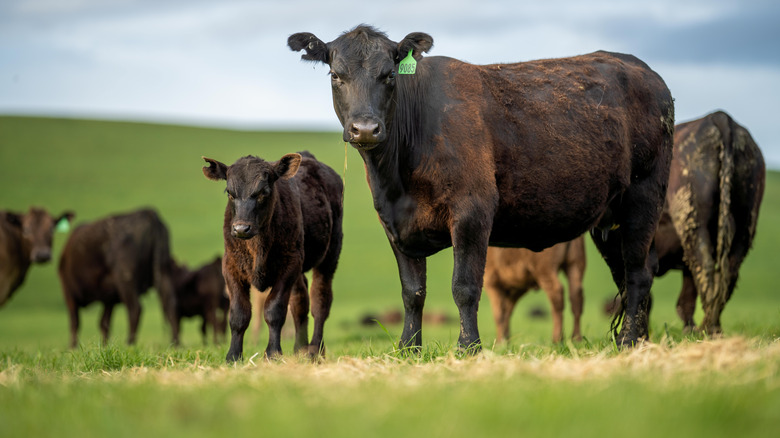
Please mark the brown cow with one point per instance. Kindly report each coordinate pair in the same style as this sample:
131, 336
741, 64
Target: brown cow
24, 239
511, 272
115, 260
282, 219
513, 155
201, 292
715, 189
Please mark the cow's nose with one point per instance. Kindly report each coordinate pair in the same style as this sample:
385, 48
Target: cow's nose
41, 256
241, 230
365, 132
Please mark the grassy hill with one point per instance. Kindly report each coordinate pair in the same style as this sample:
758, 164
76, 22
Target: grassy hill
98, 168
676, 385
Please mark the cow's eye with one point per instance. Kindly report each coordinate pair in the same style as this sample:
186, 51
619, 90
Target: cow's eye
230, 195
334, 77
390, 77
265, 191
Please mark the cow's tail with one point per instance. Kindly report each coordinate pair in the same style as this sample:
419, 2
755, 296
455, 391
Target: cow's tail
163, 269
713, 305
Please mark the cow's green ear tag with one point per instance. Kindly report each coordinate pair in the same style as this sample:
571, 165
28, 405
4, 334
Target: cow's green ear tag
408, 65
63, 226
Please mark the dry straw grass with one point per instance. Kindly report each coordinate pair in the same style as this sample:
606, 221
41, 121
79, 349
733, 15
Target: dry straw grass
726, 361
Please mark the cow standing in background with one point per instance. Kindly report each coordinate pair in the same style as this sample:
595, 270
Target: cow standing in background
716, 185
24, 239
115, 260
282, 219
511, 272
201, 292
514, 155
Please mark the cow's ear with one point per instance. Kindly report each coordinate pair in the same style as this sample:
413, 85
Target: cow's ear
215, 171
287, 166
316, 50
14, 219
67, 216
417, 42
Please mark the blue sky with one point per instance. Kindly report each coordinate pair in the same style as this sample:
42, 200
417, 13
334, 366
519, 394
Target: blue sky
226, 63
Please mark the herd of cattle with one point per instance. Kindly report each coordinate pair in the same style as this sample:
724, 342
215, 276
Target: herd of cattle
489, 160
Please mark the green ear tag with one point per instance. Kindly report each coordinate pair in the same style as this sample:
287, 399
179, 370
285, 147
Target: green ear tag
63, 226
408, 65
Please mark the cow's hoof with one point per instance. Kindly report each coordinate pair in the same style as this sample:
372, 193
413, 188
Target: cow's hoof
233, 357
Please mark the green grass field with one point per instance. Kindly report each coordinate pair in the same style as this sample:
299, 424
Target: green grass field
678, 385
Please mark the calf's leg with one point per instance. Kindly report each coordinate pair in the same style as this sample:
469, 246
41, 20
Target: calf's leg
299, 307
240, 314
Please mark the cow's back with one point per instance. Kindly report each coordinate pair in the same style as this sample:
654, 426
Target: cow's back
320, 192
115, 249
563, 137
13, 263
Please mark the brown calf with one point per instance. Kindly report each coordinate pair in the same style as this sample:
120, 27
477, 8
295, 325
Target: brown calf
511, 272
24, 239
282, 219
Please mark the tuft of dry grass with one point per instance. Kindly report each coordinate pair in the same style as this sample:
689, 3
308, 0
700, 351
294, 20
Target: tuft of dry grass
725, 361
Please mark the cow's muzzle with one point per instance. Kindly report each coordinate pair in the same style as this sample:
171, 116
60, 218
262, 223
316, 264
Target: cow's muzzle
243, 230
364, 134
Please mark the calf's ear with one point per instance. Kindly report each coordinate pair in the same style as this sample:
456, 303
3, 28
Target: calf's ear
316, 50
417, 42
14, 219
287, 166
215, 171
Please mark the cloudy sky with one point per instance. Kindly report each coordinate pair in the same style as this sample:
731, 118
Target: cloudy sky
226, 63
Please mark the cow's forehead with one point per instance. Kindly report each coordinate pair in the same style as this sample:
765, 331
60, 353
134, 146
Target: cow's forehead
360, 50
248, 172
37, 216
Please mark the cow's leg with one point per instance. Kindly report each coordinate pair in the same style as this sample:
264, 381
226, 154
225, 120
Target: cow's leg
574, 274
552, 286
128, 294
641, 210
240, 314
258, 309
105, 320
276, 311
210, 320
469, 245
609, 245
299, 307
412, 273
686, 303
321, 301
502, 305
73, 313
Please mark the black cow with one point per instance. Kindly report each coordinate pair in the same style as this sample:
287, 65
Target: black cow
716, 185
518, 155
201, 292
282, 219
115, 260
24, 239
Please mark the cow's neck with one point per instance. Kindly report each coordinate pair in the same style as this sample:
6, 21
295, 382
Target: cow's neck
390, 165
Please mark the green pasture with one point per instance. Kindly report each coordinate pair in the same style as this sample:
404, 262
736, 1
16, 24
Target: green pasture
363, 385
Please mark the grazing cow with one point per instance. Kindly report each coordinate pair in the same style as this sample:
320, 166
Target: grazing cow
511, 272
24, 239
115, 260
513, 155
201, 292
282, 219
716, 185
